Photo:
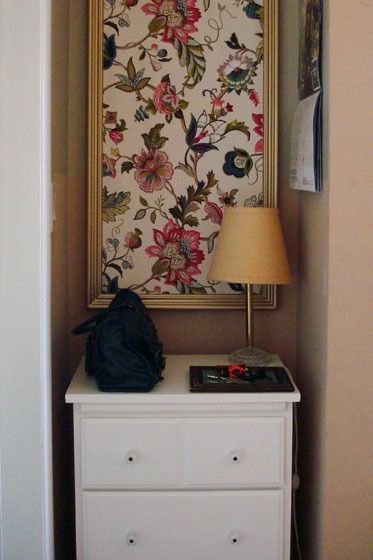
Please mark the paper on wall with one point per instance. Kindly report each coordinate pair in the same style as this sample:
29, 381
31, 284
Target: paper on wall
305, 163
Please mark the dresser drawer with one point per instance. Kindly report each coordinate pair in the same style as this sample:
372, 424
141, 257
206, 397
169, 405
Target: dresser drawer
245, 525
126, 453
247, 452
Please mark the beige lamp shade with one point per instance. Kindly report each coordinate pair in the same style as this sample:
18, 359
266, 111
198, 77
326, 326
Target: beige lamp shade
250, 248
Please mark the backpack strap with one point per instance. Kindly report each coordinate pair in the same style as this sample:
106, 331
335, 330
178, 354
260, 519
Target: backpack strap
89, 324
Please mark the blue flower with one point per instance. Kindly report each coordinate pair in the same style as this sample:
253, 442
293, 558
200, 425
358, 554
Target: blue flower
109, 51
252, 10
237, 163
237, 72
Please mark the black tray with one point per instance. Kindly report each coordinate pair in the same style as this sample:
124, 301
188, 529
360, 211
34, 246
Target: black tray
258, 379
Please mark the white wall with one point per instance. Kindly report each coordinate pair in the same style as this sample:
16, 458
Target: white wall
25, 279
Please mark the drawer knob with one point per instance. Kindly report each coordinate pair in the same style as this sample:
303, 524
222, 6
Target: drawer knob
235, 457
234, 538
131, 538
131, 457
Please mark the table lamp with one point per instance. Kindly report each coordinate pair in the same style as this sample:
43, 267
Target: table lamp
250, 250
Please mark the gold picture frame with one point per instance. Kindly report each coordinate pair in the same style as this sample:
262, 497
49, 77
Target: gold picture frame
265, 296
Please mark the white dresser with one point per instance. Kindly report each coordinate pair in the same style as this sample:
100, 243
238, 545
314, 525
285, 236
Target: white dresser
174, 475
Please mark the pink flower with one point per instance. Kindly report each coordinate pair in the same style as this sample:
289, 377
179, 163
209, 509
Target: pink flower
153, 170
132, 240
217, 107
179, 253
258, 119
179, 15
165, 98
129, 3
254, 97
200, 137
111, 117
217, 103
116, 136
213, 212
220, 108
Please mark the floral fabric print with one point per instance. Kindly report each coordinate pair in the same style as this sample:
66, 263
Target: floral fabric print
153, 170
182, 130
177, 252
178, 18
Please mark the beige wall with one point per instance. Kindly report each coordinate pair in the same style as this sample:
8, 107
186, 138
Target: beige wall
311, 362
334, 305
348, 440
62, 415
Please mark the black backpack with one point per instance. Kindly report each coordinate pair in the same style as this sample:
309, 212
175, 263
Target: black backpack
123, 352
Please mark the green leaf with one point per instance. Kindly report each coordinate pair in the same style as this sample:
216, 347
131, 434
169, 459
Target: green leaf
242, 153
192, 57
248, 165
183, 104
131, 70
143, 201
157, 24
127, 166
237, 125
150, 107
142, 83
125, 87
260, 52
186, 168
114, 204
122, 126
211, 241
160, 267
196, 288
154, 140
153, 217
175, 212
206, 4
211, 180
113, 25
140, 214
116, 267
122, 78
181, 288
191, 221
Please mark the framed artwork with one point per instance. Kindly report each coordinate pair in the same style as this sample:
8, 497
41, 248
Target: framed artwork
182, 123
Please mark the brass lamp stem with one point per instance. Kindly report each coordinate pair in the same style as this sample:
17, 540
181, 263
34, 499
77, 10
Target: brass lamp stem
249, 316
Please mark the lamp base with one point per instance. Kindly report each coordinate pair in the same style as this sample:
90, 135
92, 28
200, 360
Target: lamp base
251, 356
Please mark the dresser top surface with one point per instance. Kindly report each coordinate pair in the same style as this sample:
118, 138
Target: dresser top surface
173, 388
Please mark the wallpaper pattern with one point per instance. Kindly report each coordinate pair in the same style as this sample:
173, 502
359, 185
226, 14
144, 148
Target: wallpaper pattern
182, 137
